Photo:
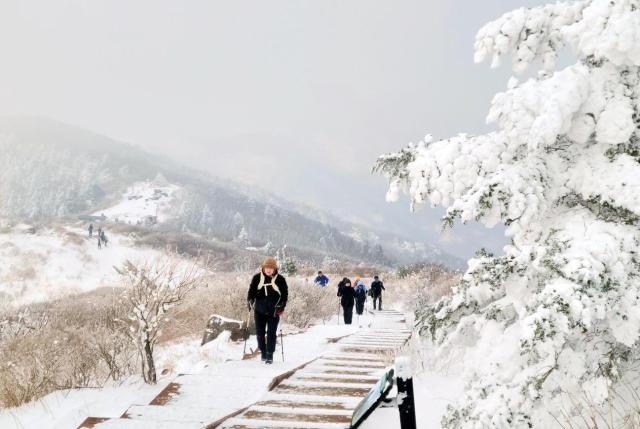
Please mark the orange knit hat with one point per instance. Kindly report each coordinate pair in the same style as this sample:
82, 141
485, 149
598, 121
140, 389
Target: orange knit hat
270, 262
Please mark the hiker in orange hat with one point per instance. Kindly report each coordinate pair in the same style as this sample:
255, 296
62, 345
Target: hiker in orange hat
268, 293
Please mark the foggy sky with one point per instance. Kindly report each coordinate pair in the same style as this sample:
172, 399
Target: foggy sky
296, 96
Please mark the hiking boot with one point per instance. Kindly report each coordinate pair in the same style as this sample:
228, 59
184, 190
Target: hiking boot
263, 356
269, 359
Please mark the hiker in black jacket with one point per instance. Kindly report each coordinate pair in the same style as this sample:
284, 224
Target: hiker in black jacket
347, 294
267, 297
376, 292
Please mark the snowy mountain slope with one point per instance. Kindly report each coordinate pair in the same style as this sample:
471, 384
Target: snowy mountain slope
59, 261
51, 170
143, 203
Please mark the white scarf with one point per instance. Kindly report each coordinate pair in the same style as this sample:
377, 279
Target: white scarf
272, 284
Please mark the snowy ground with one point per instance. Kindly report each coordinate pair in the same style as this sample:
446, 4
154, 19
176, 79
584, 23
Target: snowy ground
56, 262
142, 203
241, 383
67, 409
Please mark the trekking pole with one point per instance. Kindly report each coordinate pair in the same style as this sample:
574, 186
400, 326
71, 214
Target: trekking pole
338, 312
246, 335
282, 344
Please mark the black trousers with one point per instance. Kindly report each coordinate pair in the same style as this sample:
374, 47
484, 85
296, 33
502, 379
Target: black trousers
379, 299
348, 314
360, 306
266, 325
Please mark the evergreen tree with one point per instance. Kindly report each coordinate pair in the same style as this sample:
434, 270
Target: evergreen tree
549, 330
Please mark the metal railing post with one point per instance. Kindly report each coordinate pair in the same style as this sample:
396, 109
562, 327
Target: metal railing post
406, 401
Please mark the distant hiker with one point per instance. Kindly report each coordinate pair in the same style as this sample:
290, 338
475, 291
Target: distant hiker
99, 242
321, 279
90, 230
376, 292
268, 293
347, 299
103, 237
99, 231
361, 296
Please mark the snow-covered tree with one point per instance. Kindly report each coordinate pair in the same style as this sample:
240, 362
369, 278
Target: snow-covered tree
152, 288
550, 329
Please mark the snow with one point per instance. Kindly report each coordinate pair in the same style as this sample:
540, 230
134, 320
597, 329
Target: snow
143, 203
403, 367
433, 392
561, 172
59, 261
214, 377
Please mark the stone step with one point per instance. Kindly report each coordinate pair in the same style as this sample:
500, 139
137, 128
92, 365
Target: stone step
177, 413
143, 424
243, 423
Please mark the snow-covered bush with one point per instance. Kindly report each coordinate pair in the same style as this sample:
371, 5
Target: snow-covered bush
558, 315
152, 288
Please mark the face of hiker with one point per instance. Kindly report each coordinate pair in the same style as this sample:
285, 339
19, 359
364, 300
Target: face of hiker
269, 271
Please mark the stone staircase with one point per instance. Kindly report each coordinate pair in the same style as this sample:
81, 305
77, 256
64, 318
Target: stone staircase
325, 392
321, 393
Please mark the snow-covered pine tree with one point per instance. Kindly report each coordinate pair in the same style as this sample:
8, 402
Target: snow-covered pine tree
550, 329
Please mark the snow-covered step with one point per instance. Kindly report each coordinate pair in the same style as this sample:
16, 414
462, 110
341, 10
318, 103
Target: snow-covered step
367, 349
293, 400
300, 410
310, 383
175, 413
356, 357
359, 363
356, 341
344, 378
380, 337
358, 392
244, 423
144, 424
326, 367
364, 346
296, 417
318, 374
350, 363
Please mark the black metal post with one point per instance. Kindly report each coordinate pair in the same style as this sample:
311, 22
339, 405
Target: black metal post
406, 401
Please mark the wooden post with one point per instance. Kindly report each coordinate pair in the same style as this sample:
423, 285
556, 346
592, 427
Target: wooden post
406, 401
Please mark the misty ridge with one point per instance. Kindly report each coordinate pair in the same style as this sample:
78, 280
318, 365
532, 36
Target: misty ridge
51, 170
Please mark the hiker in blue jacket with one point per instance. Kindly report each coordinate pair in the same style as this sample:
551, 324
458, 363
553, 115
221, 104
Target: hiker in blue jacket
361, 296
321, 279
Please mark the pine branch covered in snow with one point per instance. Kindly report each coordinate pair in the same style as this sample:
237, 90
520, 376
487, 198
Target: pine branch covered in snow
558, 315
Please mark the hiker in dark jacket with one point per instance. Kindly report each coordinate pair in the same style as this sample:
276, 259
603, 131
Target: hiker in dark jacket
376, 292
347, 298
90, 230
361, 296
267, 297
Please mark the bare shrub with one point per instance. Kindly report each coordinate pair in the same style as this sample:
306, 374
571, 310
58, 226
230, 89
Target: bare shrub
620, 410
226, 295
69, 343
152, 288
309, 303
422, 284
